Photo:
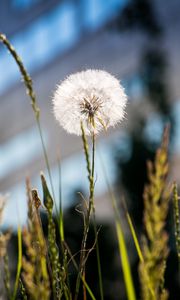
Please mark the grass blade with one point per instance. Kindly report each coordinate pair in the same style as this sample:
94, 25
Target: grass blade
134, 236
124, 258
61, 222
121, 241
19, 265
137, 246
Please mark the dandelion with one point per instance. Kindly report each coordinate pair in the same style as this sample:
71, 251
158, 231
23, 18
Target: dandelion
94, 98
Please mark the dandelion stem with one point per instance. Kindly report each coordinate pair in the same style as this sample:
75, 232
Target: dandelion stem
91, 207
87, 219
94, 221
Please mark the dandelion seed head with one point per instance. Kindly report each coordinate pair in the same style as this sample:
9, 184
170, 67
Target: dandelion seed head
93, 97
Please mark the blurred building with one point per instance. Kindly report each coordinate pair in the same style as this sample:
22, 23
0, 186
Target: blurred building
55, 38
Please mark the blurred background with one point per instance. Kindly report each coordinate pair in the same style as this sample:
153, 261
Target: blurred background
135, 40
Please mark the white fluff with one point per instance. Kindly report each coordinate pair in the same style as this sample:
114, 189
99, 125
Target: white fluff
87, 95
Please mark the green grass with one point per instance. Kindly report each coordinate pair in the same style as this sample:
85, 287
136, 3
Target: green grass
19, 265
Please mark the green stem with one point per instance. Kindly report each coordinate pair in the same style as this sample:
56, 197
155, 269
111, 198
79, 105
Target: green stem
67, 292
30, 91
82, 277
91, 207
87, 219
19, 263
61, 224
94, 221
46, 161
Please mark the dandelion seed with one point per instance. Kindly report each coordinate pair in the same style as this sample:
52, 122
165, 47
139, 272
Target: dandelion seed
93, 97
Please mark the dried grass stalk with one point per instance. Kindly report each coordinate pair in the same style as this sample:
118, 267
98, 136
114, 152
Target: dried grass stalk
155, 241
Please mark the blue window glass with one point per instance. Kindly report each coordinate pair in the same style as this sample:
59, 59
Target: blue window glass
14, 153
24, 4
53, 33
48, 36
97, 12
